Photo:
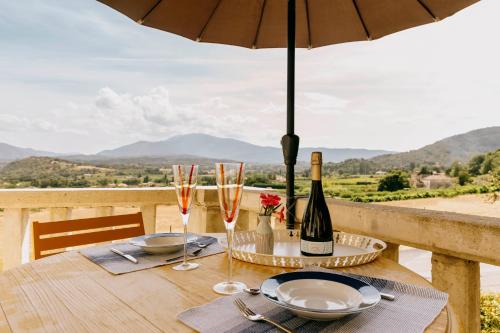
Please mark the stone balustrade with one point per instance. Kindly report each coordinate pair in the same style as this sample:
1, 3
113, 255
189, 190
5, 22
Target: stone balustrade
458, 242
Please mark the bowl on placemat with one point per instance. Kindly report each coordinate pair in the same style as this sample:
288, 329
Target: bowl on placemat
162, 242
320, 295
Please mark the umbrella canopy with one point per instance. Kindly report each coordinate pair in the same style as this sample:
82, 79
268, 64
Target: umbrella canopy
263, 23
286, 23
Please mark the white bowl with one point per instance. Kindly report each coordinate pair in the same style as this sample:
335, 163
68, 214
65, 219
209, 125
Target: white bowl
162, 242
318, 295
318, 299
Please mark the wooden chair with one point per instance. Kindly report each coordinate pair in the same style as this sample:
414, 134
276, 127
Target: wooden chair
53, 236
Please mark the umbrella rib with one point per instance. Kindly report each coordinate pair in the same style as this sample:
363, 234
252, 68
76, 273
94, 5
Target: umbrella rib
309, 43
368, 36
202, 32
428, 10
141, 21
257, 32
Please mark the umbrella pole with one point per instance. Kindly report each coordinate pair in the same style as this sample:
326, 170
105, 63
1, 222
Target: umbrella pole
290, 141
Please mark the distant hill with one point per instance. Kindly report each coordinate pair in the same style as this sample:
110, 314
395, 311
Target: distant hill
34, 168
9, 152
461, 147
214, 147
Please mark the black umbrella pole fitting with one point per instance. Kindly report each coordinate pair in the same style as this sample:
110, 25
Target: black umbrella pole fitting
290, 141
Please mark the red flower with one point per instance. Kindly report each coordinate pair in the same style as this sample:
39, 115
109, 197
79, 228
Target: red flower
268, 200
281, 214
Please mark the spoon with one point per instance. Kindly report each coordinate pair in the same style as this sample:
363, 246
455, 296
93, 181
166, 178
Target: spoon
252, 291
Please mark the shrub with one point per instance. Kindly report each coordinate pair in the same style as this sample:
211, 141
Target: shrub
397, 180
490, 313
463, 177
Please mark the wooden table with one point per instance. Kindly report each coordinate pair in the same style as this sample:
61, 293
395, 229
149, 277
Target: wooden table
68, 293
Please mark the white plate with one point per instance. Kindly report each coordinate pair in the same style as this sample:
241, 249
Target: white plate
161, 242
319, 295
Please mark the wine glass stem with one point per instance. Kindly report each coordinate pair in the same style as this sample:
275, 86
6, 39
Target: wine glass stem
185, 219
230, 234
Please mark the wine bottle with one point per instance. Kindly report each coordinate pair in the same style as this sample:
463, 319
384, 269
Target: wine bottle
316, 234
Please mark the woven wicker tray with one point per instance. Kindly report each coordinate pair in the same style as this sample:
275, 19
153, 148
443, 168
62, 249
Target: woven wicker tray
349, 250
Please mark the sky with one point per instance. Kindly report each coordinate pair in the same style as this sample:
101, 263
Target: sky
77, 76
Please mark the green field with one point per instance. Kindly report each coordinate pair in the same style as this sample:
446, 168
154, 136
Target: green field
364, 189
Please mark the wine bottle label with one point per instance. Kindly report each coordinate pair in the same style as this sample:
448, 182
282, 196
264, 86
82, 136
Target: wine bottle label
316, 247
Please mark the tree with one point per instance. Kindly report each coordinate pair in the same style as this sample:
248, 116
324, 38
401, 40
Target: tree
424, 171
487, 165
103, 182
455, 169
463, 177
475, 165
394, 181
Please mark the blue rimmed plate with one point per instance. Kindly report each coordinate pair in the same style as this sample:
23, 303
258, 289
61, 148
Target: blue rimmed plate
320, 295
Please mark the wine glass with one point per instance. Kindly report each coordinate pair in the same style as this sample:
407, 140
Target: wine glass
185, 177
230, 179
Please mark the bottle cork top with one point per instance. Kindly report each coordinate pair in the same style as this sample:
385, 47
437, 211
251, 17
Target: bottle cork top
316, 158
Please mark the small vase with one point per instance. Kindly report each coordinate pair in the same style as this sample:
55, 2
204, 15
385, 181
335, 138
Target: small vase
264, 238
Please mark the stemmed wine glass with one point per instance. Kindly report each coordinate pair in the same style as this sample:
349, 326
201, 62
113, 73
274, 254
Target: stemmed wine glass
185, 178
230, 178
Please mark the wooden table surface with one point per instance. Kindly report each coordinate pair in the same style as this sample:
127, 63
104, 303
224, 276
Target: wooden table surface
68, 293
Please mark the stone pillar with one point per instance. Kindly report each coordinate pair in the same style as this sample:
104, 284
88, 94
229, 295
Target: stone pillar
15, 232
242, 223
60, 214
391, 252
206, 218
149, 218
104, 211
205, 212
247, 220
253, 220
460, 279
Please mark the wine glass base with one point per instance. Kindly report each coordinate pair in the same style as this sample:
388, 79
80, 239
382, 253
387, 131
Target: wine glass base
229, 288
186, 267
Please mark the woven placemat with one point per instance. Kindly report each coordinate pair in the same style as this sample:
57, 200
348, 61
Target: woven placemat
413, 310
115, 264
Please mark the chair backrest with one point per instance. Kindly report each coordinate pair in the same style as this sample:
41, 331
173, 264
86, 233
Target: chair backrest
53, 236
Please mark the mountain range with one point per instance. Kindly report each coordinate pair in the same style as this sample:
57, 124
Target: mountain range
455, 148
10, 152
214, 147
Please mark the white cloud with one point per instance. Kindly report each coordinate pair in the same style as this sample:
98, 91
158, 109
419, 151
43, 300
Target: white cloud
12, 123
154, 116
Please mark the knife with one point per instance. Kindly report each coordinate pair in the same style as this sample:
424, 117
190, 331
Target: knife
124, 255
388, 297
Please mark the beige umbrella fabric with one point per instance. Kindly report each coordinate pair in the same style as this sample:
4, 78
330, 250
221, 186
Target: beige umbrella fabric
263, 23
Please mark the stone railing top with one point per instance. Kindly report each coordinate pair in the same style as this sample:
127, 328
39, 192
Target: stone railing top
97, 197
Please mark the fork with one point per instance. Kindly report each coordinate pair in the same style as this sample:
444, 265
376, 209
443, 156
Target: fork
252, 316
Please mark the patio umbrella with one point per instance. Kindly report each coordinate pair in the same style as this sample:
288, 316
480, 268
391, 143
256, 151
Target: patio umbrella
286, 23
